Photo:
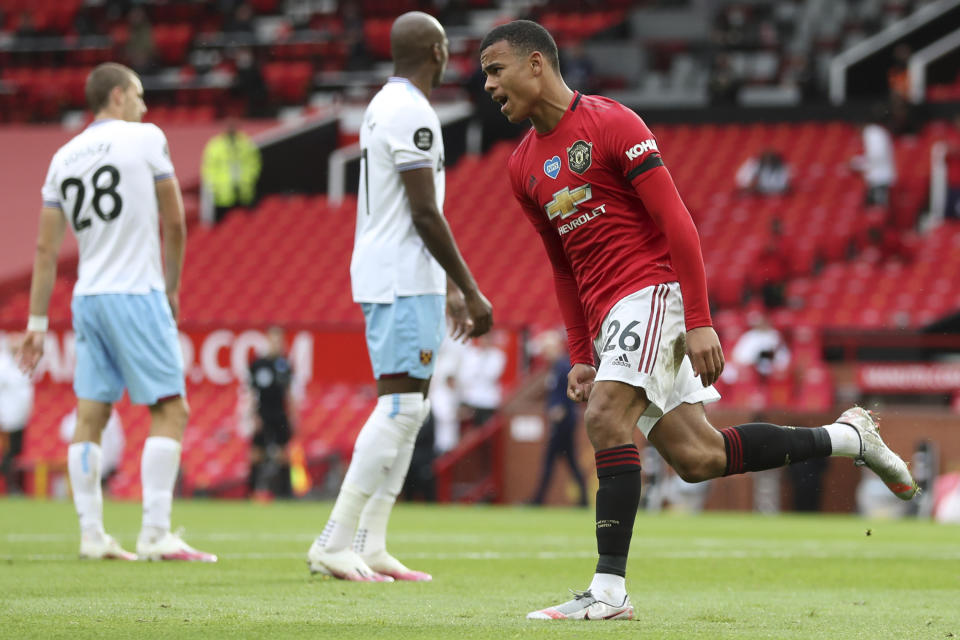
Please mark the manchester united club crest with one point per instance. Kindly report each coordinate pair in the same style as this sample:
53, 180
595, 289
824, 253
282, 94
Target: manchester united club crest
579, 156
426, 355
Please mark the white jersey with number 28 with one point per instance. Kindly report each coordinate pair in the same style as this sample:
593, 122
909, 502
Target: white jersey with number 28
103, 181
400, 132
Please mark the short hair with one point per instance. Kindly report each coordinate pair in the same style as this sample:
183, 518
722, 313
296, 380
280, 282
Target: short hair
525, 36
104, 79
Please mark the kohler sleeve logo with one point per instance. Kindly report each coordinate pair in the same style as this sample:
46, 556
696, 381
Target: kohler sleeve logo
641, 148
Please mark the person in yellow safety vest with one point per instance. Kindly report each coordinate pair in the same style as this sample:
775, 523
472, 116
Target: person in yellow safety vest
231, 166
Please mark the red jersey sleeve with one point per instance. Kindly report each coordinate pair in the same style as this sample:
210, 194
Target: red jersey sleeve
635, 154
568, 295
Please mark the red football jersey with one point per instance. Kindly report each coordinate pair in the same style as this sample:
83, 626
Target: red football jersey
596, 190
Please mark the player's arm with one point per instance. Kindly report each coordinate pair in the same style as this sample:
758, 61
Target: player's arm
632, 148
174, 228
460, 322
582, 372
435, 232
662, 201
49, 238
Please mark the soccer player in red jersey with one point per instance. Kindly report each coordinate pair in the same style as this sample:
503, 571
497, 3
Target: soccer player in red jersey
591, 179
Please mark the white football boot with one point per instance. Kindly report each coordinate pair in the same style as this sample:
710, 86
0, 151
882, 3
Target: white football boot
345, 564
103, 547
171, 546
877, 456
585, 606
385, 564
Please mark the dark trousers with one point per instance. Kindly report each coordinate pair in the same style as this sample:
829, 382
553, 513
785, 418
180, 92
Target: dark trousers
8, 466
561, 444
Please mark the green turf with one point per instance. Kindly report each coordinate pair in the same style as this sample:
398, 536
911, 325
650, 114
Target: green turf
713, 576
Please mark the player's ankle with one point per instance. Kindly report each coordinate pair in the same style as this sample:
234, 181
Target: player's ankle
151, 534
93, 533
609, 588
844, 439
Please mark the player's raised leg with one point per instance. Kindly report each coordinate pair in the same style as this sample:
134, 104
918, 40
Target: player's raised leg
83, 466
699, 452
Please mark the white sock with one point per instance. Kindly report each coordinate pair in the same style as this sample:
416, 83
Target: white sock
371, 535
375, 455
338, 533
844, 439
609, 588
372, 529
83, 465
158, 475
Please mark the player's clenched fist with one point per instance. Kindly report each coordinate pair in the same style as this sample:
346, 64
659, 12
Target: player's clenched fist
580, 382
481, 312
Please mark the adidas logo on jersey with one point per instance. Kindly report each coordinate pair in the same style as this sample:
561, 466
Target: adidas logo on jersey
622, 360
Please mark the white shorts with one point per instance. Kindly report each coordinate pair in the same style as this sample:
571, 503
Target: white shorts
643, 343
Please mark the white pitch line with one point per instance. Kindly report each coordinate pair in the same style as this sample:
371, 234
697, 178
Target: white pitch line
560, 555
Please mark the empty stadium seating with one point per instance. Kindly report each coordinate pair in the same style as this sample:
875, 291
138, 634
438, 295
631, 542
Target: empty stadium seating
288, 263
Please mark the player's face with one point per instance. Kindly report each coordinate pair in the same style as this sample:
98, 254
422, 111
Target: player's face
133, 104
510, 80
275, 337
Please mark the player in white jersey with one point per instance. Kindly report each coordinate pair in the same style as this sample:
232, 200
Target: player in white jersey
405, 268
113, 184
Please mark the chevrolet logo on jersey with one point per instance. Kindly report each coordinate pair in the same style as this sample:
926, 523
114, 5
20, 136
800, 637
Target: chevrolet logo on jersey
565, 201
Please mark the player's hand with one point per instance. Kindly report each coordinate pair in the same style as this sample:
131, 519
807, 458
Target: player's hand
461, 324
706, 356
30, 351
173, 298
481, 312
580, 382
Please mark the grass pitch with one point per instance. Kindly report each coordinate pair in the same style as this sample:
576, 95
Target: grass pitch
712, 576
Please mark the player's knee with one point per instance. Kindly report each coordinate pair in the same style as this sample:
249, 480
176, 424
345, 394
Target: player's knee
697, 462
170, 417
605, 426
177, 411
406, 410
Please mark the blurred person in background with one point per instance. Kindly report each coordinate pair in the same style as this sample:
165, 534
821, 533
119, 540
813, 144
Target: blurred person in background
478, 379
563, 418
231, 168
249, 84
578, 68
877, 163
141, 48
114, 185
953, 171
903, 120
445, 398
761, 347
16, 404
405, 269
271, 379
766, 174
